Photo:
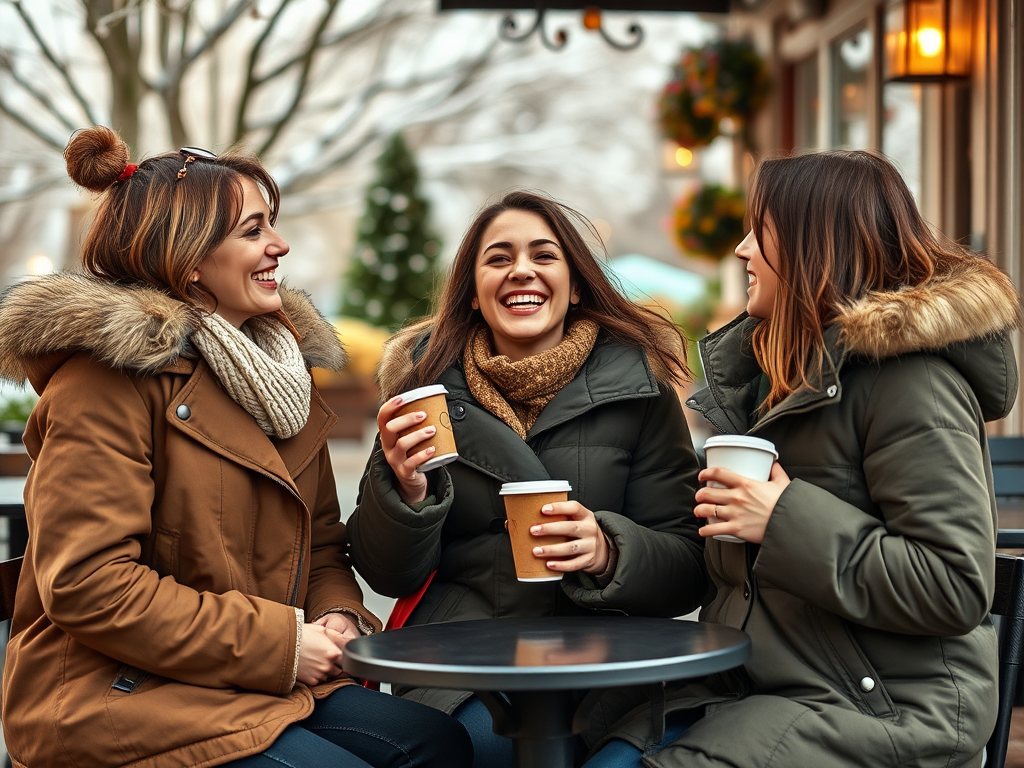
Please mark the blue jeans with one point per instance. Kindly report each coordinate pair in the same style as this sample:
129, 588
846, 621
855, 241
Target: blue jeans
621, 754
358, 728
489, 749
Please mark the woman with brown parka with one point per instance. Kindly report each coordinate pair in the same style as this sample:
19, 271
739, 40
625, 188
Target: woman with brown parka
186, 595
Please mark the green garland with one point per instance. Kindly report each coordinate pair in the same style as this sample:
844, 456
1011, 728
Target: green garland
710, 221
725, 78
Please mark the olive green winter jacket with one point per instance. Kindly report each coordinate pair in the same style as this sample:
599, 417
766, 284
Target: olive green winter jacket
621, 441
867, 602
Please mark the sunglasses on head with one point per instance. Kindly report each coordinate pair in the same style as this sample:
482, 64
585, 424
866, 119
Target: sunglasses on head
191, 154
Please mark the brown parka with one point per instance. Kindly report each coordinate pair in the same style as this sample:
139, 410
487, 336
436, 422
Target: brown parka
173, 546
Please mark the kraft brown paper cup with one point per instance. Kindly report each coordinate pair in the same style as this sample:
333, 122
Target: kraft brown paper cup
522, 507
432, 400
748, 456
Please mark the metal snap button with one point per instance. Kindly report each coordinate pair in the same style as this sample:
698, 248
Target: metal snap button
867, 684
746, 590
831, 391
457, 411
183, 412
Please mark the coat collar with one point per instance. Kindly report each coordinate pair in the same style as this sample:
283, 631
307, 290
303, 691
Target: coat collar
613, 372
205, 412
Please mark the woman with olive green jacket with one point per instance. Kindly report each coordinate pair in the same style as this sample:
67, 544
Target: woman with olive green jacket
866, 594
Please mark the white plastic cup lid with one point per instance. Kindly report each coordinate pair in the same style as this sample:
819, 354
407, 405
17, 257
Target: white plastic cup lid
422, 392
534, 486
741, 441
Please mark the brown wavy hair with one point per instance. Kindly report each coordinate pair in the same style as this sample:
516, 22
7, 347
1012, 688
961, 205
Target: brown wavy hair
152, 228
844, 224
618, 317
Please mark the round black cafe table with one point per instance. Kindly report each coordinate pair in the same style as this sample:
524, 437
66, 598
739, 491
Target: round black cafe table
541, 664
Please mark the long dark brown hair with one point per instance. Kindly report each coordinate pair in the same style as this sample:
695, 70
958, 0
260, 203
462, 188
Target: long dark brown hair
152, 228
600, 301
844, 224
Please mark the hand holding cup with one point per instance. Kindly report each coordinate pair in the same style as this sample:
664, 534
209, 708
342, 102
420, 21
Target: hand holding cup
744, 483
416, 436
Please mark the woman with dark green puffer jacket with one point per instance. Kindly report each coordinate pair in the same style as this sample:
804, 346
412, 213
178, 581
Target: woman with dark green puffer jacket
871, 354
550, 374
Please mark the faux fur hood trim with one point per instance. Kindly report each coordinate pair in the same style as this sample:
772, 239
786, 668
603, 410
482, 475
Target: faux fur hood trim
130, 328
967, 298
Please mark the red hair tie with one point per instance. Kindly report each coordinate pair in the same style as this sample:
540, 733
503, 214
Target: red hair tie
127, 172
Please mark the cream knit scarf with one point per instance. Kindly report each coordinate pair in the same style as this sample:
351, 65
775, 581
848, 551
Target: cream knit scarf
261, 369
517, 392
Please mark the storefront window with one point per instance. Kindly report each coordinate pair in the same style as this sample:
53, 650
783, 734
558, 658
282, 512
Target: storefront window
851, 57
901, 131
805, 105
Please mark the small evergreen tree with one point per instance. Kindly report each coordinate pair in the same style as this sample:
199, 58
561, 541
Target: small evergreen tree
392, 272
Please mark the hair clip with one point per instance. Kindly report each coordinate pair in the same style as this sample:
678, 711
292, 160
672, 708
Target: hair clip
184, 168
190, 154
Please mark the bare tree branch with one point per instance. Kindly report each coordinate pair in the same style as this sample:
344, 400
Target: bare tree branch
10, 195
62, 68
35, 93
251, 84
173, 74
36, 130
299, 89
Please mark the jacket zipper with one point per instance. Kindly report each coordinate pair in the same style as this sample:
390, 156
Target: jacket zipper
696, 405
129, 678
703, 412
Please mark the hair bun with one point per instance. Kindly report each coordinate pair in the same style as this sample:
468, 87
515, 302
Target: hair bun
95, 157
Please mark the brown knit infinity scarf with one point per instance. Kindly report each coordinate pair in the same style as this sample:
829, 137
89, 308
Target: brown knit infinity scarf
517, 392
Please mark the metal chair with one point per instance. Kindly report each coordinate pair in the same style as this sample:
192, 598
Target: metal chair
1007, 454
10, 570
1008, 604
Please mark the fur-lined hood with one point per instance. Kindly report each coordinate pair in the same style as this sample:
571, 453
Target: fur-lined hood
136, 329
964, 314
967, 298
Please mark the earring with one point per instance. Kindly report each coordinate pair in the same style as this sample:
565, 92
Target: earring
195, 278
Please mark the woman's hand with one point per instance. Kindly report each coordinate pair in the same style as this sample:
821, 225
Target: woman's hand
743, 507
587, 549
319, 654
341, 623
412, 485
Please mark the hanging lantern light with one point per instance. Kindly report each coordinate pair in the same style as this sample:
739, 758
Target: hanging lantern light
927, 40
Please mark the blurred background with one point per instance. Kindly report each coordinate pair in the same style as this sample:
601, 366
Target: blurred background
388, 123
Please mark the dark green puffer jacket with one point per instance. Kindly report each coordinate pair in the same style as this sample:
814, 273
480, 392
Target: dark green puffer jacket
867, 602
620, 440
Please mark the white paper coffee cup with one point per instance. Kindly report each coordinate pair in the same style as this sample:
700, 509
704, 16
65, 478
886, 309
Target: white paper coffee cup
745, 455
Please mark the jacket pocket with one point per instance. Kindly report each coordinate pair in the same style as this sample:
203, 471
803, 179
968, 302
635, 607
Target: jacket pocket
854, 673
165, 552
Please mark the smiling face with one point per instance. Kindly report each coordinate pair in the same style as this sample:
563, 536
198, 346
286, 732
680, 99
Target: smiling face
523, 284
763, 279
240, 272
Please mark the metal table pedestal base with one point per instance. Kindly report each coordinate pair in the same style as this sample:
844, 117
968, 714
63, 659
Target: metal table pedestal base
540, 723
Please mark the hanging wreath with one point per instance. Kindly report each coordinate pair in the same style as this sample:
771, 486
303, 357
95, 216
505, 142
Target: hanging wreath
723, 79
709, 220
